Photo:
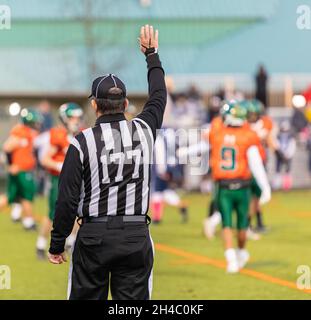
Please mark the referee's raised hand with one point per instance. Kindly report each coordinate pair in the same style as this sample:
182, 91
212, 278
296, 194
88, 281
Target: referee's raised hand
148, 39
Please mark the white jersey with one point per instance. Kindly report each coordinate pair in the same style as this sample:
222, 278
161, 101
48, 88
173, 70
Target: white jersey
42, 144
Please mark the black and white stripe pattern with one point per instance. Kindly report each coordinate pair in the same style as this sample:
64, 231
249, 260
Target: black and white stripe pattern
116, 159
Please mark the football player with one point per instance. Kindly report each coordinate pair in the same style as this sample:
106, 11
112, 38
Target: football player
262, 125
21, 187
70, 115
166, 170
213, 219
234, 159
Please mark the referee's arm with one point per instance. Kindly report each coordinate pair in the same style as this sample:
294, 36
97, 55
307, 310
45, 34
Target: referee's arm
68, 200
154, 108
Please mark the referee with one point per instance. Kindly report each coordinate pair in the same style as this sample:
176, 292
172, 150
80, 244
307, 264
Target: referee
105, 183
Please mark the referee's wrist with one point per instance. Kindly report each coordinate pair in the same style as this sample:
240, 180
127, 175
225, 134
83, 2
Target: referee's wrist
151, 51
57, 249
153, 60
56, 252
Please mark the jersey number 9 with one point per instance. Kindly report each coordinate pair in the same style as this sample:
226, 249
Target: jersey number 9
228, 158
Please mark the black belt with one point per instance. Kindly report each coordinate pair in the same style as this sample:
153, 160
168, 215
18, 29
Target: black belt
234, 184
142, 218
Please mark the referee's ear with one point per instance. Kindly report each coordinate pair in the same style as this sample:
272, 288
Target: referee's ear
94, 105
126, 103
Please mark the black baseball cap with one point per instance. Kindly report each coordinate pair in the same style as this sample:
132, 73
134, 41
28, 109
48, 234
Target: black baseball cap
103, 84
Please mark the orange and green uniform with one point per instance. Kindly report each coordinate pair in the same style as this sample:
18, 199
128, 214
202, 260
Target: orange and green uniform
230, 171
216, 124
22, 185
60, 140
263, 128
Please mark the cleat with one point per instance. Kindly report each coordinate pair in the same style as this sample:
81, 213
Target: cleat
252, 235
261, 229
16, 220
41, 255
233, 267
243, 258
184, 215
156, 222
232, 261
31, 228
29, 224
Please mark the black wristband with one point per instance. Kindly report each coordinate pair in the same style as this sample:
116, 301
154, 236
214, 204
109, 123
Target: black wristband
150, 51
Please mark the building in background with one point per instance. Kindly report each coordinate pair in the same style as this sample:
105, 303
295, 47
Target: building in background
55, 48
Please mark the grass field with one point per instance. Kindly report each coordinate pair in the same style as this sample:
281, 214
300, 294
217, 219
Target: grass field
187, 266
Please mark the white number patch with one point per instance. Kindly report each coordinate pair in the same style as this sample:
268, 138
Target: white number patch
119, 158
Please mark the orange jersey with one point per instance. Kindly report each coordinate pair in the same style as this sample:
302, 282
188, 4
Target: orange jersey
23, 156
263, 127
59, 139
229, 147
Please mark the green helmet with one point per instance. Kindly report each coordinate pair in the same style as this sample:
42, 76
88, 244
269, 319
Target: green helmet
233, 113
69, 110
254, 109
31, 118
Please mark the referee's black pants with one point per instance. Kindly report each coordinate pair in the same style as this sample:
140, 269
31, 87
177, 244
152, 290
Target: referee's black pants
113, 254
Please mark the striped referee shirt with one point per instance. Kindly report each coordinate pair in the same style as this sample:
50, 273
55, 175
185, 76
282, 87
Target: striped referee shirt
107, 167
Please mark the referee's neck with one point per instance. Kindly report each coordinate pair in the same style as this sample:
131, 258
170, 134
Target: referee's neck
110, 118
